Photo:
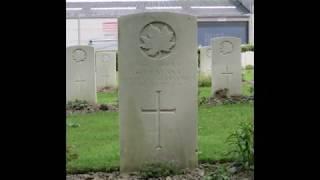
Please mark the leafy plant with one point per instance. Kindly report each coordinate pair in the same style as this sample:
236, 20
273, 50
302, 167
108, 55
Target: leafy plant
251, 90
222, 93
221, 173
203, 100
156, 170
242, 140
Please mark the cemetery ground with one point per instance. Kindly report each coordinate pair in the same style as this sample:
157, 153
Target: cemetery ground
94, 137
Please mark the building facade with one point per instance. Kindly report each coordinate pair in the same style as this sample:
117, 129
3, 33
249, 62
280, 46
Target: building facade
95, 23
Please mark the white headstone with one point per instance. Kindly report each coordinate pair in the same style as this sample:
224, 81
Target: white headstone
247, 58
226, 65
158, 90
106, 69
205, 61
81, 80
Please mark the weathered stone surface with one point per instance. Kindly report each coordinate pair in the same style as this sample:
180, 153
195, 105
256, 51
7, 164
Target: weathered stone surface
205, 61
157, 90
226, 65
81, 77
106, 69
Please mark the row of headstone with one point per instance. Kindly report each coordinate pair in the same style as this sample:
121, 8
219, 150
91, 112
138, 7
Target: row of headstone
247, 58
88, 71
158, 87
158, 90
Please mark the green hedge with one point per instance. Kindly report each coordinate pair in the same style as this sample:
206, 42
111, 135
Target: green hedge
247, 47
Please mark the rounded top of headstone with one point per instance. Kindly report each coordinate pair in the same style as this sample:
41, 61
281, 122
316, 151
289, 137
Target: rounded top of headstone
155, 14
81, 47
226, 45
80, 53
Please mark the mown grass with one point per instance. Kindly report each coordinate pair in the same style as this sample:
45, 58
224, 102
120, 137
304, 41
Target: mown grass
107, 98
96, 140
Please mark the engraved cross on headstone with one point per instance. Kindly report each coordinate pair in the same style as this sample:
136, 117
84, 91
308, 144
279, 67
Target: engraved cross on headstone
228, 76
158, 111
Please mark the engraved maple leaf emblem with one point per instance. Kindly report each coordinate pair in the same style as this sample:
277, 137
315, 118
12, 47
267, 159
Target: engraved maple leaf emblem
157, 40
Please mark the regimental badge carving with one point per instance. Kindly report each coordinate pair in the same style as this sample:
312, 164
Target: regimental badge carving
157, 40
79, 55
226, 47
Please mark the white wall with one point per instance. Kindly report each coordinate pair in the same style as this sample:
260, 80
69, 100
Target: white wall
90, 29
72, 32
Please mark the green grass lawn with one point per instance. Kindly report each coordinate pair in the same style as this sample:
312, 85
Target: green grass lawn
96, 140
107, 98
248, 74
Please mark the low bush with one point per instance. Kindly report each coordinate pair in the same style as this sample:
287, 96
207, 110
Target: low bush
157, 170
249, 67
221, 173
247, 47
78, 105
242, 142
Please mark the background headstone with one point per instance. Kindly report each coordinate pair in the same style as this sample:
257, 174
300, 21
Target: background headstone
205, 60
158, 90
226, 65
247, 58
106, 69
81, 80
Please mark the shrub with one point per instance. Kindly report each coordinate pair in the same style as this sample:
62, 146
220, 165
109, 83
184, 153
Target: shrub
249, 67
204, 81
157, 170
104, 107
78, 105
204, 100
251, 90
221, 93
247, 47
221, 173
242, 140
